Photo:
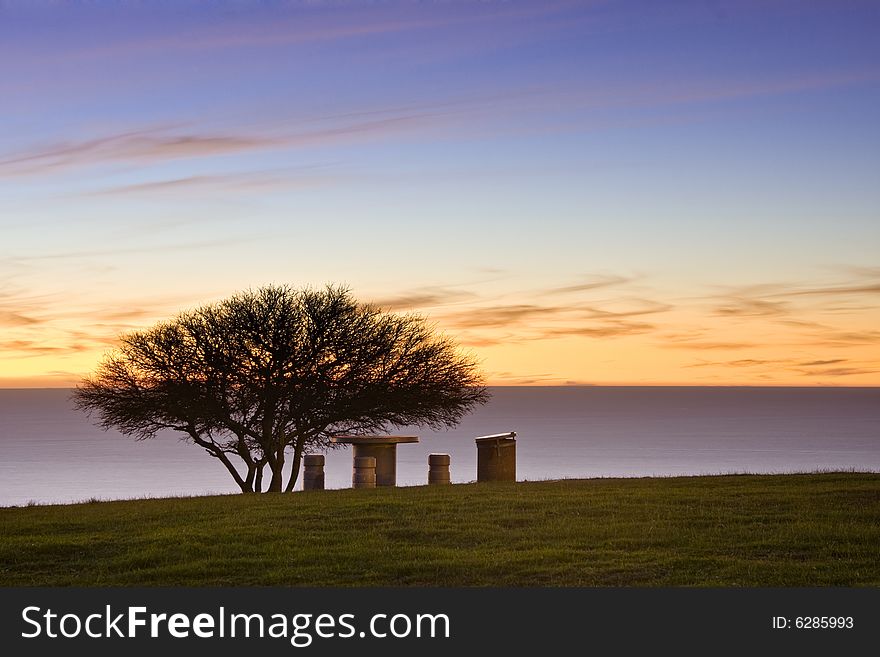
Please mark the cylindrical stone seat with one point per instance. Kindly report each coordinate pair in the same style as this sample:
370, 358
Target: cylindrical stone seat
438, 469
313, 472
363, 474
496, 457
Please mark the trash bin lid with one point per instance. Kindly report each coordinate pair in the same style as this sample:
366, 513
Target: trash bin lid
510, 435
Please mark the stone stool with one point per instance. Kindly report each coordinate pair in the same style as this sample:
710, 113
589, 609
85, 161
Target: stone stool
438, 469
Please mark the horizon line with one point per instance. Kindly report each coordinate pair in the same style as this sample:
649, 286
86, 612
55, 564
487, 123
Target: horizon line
591, 385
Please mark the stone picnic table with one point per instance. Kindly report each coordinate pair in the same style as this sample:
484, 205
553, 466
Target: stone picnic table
382, 448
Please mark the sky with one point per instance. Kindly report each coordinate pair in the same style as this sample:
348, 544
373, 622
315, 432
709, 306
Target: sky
579, 192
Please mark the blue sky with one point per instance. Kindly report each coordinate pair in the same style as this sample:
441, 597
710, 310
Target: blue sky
692, 173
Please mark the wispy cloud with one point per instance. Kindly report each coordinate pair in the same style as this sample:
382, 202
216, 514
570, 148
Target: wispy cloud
138, 146
294, 24
483, 319
841, 371
636, 307
133, 250
743, 307
426, 297
158, 144
593, 283
469, 340
31, 348
64, 326
742, 362
816, 363
792, 319
263, 181
510, 378
18, 308
607, 329
709, 90
838, 338
701, 345
773, 368
11, 318
150, 145
51, 379
700, 338
503, 315
770, 298
480, 320
804, 324
799, 307
549, 321
872, 288
766, 342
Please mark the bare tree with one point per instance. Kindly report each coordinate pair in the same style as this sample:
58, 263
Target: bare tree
275, 372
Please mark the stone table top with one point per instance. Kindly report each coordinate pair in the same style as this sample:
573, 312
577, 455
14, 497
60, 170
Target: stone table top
374, 440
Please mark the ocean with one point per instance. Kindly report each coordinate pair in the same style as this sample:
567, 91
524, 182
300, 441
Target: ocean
52, 453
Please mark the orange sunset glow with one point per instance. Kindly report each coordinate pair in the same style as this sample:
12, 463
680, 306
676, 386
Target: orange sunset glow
597, 330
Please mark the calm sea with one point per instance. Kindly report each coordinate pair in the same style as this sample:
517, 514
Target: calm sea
50, 452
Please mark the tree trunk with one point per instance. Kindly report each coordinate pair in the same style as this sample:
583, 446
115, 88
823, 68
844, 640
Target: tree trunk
245, 455
277, 465
249, 480
258, 482
298, 447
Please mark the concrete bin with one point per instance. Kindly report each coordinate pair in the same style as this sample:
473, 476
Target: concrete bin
496, 457
313, 472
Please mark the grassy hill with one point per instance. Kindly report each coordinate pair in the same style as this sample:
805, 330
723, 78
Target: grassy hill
743, 530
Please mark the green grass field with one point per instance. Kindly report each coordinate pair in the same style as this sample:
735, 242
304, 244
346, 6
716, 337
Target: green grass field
743, 530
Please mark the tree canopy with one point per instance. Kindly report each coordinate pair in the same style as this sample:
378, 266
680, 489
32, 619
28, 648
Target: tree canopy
277, 371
